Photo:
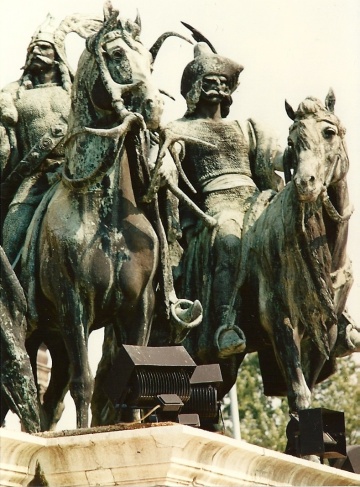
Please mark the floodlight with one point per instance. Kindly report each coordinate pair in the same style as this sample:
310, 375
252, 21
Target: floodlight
140, 374
352, 461
167, 382
203, 400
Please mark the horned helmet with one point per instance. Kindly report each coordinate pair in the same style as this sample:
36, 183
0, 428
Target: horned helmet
206, 62
54, 33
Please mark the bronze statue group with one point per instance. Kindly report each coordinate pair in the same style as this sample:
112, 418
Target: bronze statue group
111, 220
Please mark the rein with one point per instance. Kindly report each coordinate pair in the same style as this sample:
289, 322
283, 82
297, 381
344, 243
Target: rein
332, 211
329, 207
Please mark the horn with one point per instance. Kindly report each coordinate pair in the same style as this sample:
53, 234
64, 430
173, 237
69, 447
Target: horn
160, 41
198, 36
330, 100
289, 110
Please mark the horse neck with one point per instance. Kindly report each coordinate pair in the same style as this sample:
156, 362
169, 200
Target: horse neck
123, 187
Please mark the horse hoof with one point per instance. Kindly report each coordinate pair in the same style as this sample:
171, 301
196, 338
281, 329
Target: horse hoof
311, 458
229, 343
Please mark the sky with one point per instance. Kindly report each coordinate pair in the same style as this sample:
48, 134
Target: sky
289, 50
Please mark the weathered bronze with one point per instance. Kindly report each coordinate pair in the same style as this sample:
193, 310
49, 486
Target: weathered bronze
273, 274
34, 112
218, 162
296, 275
33, 117
18, 390
101, 238
98, 261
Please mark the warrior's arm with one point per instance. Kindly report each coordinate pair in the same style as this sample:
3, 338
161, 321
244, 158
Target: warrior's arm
267, 156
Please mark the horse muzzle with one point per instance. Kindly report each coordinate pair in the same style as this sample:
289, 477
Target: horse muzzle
308, 187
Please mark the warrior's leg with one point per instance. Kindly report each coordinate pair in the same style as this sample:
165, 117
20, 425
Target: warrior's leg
16, 223
20, 214
229, 339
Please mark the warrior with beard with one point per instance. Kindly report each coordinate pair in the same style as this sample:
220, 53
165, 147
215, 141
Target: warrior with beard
34, 112
228, 167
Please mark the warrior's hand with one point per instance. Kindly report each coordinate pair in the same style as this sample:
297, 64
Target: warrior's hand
173, 142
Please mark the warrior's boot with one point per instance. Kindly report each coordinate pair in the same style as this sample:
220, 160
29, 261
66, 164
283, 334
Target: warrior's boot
229, 339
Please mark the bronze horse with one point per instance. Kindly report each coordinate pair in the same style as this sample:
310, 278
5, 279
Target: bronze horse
95, 259
295, 274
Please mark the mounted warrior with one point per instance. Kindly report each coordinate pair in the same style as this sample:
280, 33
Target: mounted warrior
34, 113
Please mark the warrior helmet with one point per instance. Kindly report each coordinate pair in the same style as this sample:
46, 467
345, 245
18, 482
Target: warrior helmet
206, 62
54, 33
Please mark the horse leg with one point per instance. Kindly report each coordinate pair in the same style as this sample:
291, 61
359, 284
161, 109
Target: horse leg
138, 331
136, 314
51, 406
135, 320
102, 409
75, 326
286, 343
53, 399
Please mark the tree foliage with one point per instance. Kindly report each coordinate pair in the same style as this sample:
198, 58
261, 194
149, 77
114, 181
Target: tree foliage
264, 419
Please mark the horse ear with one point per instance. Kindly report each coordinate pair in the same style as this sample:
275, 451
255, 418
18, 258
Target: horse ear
289, 110
330, 100
138, 20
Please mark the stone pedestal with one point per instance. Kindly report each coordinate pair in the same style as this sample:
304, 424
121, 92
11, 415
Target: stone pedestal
152, 455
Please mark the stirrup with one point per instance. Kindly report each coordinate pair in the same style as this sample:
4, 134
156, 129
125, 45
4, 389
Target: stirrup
229, 341
185, 315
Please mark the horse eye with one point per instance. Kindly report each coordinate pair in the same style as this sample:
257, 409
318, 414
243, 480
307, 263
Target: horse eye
117, 54
329, 132
290, 143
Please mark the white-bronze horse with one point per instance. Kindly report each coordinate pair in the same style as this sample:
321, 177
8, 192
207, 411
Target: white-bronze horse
296, 275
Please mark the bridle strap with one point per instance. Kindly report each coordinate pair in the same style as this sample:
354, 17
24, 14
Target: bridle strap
332, 211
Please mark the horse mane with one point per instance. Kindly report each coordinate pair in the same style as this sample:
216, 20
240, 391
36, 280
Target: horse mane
310, 106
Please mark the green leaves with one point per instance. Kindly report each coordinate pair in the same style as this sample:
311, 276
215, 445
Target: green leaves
263, 420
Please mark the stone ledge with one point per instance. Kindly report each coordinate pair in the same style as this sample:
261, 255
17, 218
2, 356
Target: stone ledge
165, 455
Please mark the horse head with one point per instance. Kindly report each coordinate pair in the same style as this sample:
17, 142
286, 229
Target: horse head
121, 78
316, 149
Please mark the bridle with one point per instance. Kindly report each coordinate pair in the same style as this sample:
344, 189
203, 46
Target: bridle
325, 199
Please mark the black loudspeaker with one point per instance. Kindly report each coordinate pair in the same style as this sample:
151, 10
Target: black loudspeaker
322, 433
